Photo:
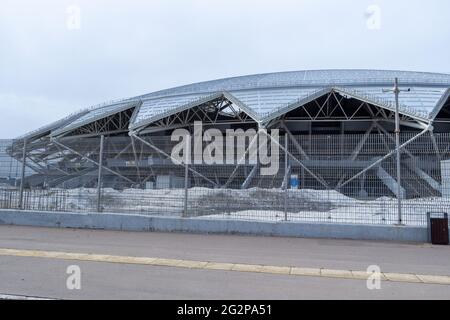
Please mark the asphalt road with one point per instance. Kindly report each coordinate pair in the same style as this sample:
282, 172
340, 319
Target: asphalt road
46, 277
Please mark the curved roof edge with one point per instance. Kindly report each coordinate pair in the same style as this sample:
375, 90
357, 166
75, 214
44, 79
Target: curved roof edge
341, 79
76, 123
440, 104
311, 78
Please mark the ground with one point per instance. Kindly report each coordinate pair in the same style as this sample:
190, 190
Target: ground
33, 269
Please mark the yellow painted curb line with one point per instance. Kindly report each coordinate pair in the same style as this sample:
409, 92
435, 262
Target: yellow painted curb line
237, 267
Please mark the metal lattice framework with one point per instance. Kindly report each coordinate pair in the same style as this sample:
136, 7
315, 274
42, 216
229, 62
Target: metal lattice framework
333, 103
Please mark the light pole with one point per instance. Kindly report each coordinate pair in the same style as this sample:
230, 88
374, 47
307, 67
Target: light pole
99, 178
396, 90
22, 179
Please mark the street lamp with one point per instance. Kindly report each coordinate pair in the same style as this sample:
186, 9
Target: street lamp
396, 90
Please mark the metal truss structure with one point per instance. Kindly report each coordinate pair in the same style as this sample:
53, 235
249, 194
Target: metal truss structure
343, 108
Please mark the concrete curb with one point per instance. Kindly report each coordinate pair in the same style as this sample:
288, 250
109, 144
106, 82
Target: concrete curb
236, 267
125, 222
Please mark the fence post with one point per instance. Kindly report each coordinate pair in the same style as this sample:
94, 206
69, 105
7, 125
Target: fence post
186, 175
286, 181
22, 179
99, 179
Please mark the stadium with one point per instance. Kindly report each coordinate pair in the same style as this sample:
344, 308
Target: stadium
337, 148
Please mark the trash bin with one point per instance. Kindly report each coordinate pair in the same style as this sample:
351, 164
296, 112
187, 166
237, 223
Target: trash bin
438, 228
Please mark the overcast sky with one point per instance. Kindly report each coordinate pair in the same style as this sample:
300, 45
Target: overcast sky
60, 56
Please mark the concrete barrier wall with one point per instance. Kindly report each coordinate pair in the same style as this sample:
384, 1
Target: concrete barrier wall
112, 221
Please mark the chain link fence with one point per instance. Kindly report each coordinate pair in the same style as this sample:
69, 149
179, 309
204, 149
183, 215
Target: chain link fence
339, 178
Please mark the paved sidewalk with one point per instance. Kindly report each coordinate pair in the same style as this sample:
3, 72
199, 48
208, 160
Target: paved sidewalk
126, 265
312, 253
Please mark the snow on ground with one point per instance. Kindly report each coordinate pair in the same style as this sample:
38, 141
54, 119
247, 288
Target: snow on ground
251, 204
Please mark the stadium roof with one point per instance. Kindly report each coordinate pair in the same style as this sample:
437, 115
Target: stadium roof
265, 95
312, 78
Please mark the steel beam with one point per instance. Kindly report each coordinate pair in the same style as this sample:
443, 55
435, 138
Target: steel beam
433, 183
294, 141
90, 160
376, 163
240, 161
391, 183
250, 176
321, 181
173, 159
358, 148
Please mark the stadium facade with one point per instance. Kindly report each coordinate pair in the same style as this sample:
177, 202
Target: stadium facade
336, 129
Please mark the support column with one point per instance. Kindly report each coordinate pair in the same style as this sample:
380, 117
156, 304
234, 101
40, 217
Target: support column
99, 179
396, 90
286, 178
22, 180
136, 160
186, 175
398, 154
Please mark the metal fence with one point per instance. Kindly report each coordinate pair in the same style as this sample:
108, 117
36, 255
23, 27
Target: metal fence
320, 178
